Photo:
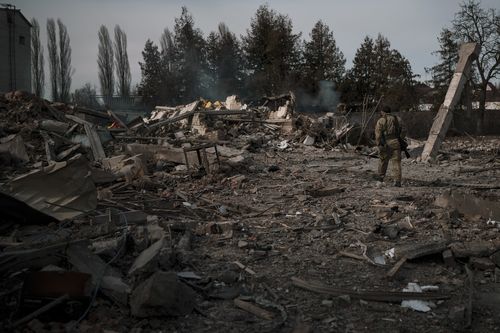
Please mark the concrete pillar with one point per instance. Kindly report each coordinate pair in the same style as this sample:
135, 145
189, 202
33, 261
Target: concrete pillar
468, 52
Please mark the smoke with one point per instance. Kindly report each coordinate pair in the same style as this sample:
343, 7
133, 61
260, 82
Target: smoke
325, 99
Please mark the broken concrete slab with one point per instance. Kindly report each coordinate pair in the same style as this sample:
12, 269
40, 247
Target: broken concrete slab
448, 258
495, 257
467, 53
176, 155
34, 258
198, 125
102, 274
418, 250
54, 126
474, 249
469, 205
85, 261
132, 168
12, 149
113, 163
147, 261
309, 140
63, 190
162, 295
116, 289
233, 103
482, 264
130, 217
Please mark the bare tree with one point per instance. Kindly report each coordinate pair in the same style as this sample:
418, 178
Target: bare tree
475, 24
86, 96
54, 64
66, 71
121, 62
37, 61
105, 62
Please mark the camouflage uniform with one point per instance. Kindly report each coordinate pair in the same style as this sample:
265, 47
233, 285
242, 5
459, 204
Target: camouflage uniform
388, 144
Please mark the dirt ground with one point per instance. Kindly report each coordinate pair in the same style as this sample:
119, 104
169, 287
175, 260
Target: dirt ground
268, 215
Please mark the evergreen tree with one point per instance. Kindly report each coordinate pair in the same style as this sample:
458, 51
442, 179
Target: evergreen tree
443, 71
151, 74
379, 70
168, 49
190, 57
359, 80
225, 63
169, 93
272, 52
448, 56
323, 59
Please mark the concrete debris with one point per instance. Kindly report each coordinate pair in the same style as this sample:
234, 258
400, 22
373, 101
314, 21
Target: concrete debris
474, 249
176, 211
147, 261
162, 295
469, 205
233, 103
417, 305
482, 264
308, 141
102, 274
54, 126
467, 54
12, 150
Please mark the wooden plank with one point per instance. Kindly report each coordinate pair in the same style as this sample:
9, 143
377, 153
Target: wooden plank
41, 310
49, 146
131, 217
78, 120
117, 119
62, 155
95, 142
414, 251
12, 260
249, 307
396, 267
380, 296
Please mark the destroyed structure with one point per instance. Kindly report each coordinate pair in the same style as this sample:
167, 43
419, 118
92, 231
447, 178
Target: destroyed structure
218, 216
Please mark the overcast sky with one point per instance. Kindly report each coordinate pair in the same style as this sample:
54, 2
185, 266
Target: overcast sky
411, 26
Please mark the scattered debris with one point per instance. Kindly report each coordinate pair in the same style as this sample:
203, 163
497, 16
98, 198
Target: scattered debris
162, 295
418, 305
195, 217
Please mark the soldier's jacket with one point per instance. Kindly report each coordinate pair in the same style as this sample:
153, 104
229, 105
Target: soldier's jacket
385, 130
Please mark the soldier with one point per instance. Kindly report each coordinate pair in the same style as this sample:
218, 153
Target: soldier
387, 130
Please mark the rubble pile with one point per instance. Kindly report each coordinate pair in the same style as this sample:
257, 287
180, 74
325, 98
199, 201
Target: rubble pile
219, 216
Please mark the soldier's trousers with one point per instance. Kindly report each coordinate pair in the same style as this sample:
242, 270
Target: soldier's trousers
390, 152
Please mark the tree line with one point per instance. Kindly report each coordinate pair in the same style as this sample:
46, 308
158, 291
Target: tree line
270, 59
112, 59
